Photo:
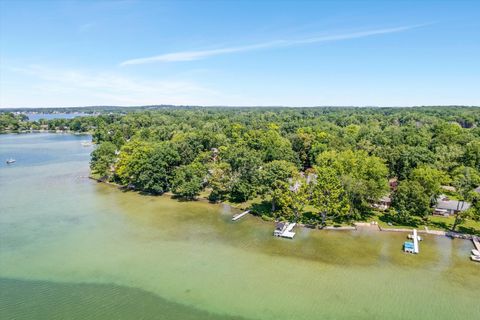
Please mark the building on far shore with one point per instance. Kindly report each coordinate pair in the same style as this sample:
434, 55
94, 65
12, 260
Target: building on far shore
447, 207
477, 189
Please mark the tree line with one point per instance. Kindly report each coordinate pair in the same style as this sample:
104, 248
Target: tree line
314, 165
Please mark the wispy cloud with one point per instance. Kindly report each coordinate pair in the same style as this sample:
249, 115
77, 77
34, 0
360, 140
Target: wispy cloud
55, 85
202, 54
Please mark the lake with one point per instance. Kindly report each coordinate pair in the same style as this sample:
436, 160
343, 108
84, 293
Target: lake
50, 116
72, 248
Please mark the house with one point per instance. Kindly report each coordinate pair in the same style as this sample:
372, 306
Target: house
449, 188
477, 189
446, 207
383, 203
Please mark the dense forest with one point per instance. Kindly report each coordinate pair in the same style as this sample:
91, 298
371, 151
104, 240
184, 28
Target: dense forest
313, 165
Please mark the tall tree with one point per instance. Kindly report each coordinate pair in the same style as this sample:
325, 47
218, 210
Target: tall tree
292, 197
148, 166
409, 200
273, 174
103, 158
329, 196
430, 179
188, 180
364, 177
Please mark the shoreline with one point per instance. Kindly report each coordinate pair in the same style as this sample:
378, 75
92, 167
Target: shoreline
354, 227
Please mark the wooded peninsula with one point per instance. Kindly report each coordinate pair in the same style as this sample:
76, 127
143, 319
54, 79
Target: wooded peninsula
317, 166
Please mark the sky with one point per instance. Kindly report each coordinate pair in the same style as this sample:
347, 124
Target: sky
239, 53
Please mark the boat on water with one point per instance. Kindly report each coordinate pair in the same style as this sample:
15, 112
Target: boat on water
10, 161
86, 143
410, 236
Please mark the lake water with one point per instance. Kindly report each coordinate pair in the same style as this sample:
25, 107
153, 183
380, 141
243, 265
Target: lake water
50, 116
71, 248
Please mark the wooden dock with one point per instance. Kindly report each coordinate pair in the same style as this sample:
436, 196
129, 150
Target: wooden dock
240, 215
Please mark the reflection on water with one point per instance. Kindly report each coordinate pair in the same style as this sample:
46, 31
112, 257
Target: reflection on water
59, 230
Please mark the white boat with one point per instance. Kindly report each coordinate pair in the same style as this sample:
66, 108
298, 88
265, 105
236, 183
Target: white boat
11, 160
86, 143
475, 252
410, 236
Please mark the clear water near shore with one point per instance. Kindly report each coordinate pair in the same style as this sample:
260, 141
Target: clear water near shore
73, 248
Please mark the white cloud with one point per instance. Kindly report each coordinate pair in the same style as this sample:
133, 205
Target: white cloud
201, 54
53, 87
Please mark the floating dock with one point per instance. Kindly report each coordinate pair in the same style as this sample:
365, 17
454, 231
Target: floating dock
412, 247
240, 215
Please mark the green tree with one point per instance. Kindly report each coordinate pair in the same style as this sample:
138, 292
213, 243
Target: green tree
472, 154
291, 197
103, 158
148, 166
219, 180
329, 196
274, 173
410, 199
189, 180
364, 177
245, 164
431, 180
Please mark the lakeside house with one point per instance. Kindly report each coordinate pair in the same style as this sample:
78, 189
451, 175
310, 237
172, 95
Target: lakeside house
449, 188
447, 207
383, 203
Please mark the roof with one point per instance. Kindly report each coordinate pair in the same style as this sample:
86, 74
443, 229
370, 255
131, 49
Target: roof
385, 199
280, 225
453, 205
477, 189
449, 188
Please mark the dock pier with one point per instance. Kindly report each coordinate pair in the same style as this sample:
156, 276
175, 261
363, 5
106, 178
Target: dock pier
475, 252
412, 247
415, 241
240, 215
476, 243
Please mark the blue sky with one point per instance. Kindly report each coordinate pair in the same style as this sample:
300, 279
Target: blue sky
290, 53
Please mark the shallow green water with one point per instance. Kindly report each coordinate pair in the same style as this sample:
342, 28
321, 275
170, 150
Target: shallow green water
71, 248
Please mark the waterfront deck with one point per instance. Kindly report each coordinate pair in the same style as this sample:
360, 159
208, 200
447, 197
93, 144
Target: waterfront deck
240, 215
